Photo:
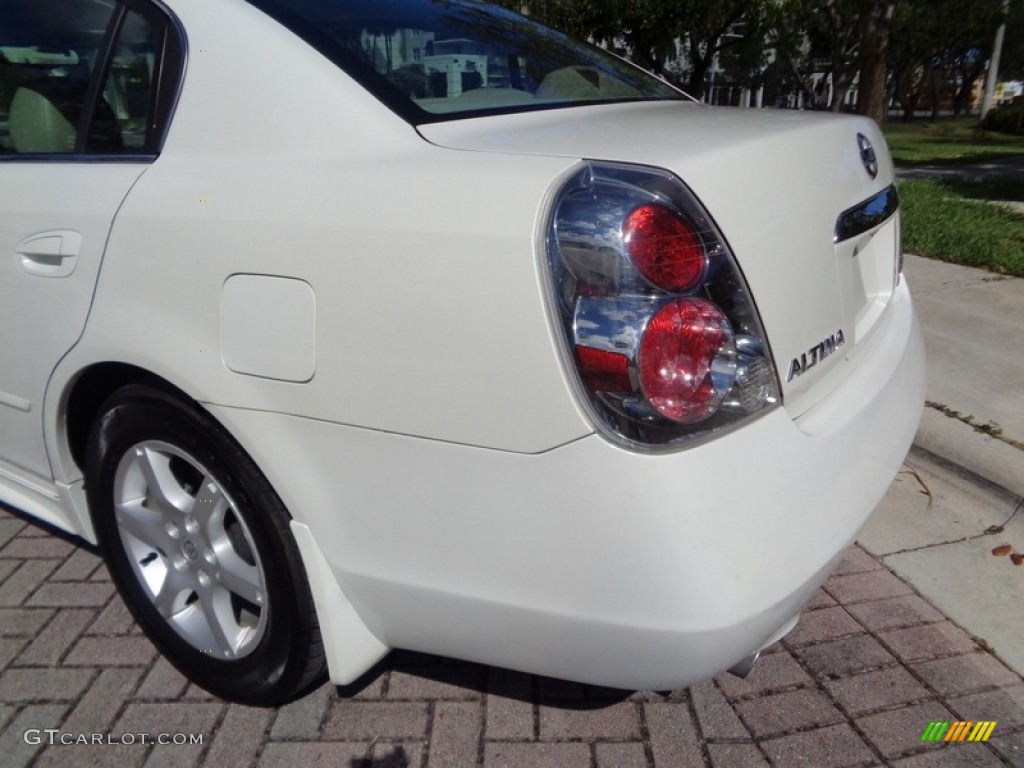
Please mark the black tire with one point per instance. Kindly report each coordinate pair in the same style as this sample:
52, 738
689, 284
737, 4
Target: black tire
200, 548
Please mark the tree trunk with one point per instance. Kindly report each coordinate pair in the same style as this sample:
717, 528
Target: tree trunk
839, 87
700, 64
877, 18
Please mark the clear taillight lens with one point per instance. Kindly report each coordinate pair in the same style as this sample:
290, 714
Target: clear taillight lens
657, 320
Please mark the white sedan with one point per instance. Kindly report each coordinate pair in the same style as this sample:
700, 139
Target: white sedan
350, 325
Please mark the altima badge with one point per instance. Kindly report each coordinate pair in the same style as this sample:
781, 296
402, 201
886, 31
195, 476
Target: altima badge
867, 155
815, 354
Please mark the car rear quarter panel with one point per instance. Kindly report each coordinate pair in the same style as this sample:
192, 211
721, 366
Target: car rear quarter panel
429, 313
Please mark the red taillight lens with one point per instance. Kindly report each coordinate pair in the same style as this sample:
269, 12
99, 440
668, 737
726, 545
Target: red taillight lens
603, 371
677, 353
664, 247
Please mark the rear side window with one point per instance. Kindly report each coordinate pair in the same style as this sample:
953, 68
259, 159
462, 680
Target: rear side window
47, 59
83, 77
434, 60
127, 100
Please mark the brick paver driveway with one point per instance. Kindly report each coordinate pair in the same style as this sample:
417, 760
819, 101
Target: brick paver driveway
856, 684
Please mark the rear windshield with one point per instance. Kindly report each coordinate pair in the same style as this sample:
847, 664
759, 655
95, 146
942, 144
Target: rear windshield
433, 60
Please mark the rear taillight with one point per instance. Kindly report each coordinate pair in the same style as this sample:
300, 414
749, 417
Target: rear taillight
664, 247
687, 360
658, 322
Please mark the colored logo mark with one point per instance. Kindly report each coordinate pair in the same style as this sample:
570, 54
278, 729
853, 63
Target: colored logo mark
959, 730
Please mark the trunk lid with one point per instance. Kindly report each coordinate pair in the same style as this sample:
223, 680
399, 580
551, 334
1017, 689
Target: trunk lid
776, 183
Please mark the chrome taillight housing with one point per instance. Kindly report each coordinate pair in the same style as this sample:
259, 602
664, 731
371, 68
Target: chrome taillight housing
659, 327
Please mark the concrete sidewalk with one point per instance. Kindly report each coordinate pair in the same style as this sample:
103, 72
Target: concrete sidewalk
961, 494
973, 325
920, 623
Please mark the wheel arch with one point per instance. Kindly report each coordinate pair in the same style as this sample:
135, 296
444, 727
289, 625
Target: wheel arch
190, 550
351, 648
91, 388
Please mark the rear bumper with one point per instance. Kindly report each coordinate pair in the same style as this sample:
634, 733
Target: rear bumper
590, 562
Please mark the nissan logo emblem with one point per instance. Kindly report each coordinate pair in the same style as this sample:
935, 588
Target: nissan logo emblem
867, 155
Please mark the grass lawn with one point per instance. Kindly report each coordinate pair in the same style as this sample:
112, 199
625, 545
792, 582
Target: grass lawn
947, 142
954, 220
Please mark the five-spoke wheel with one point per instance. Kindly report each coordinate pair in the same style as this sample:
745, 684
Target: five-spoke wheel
190, 549
200, 548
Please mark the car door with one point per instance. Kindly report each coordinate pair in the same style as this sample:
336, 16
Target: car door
78, 109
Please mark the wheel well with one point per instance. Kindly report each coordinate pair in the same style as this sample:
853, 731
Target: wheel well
92, 388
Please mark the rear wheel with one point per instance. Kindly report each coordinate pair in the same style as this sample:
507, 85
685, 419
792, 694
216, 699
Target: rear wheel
200, 548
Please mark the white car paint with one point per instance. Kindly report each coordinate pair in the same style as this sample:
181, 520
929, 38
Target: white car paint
53, 231
589, 562
449, 492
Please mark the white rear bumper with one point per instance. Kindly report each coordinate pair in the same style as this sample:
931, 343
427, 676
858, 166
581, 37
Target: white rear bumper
589, 562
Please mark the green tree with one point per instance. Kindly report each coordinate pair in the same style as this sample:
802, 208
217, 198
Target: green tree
817, 45
834, 32
793, 65
938, 51
876, 23
736, 27
920, 51
655, 33
1012, 65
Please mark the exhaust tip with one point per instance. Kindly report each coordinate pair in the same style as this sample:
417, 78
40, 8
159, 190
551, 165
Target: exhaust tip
743, 668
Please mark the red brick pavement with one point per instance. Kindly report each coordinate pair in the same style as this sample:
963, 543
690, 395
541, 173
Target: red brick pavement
853, 686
